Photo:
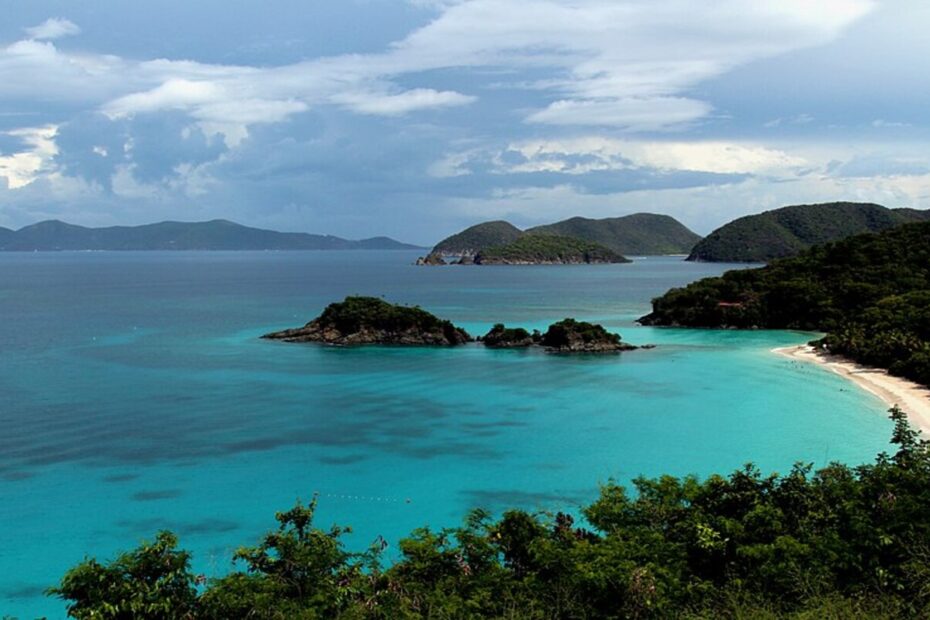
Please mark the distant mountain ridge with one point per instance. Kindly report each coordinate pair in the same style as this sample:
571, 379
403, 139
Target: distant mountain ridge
639, 233
787, 231
52, 235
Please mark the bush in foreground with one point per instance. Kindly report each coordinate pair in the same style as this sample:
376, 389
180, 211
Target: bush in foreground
842, 542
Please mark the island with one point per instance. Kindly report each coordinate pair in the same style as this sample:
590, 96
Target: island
565, 336
787, 231
639, 233
369, 320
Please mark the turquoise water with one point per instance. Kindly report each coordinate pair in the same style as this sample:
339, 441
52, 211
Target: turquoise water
137, 396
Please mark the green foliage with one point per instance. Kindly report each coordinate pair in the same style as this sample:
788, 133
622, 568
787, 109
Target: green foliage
355, 313
154, 581
297, 571
870, 292
549, 249
564, 332
639, 233
503, 336
842, 542
787, 231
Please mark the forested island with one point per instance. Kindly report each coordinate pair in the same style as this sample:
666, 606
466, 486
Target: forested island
870, 293
609, 239
55, 235
369, 320
787, 231
841, 542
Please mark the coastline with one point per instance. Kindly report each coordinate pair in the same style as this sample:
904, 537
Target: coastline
912, 398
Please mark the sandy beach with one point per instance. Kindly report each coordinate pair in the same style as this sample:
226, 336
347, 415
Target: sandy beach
911, 397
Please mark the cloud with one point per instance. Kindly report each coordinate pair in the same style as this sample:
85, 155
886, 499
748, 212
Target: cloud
640, 114
53, 28
402, 103
584, 155
22, 168
615, 64
882, 123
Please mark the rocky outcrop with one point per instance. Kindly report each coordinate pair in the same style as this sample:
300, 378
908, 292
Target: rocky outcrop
432, 258
571, 336
501, 337
369, 320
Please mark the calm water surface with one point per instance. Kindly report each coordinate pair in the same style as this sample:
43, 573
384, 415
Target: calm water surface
135, 395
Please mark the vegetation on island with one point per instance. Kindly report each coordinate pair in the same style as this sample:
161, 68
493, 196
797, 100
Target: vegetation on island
478, 237
213, 235
565, 336
548, 249
870, 293
841, 542
569, 335
369, 320
637, 234
787, 231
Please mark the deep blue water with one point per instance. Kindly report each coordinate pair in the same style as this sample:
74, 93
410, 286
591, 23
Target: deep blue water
135, 395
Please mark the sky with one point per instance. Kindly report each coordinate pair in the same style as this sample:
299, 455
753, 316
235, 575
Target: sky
416, 118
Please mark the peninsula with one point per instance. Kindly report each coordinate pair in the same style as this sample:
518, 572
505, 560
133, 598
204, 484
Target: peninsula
870, 293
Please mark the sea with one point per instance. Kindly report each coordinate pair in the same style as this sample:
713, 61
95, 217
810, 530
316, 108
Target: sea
136, 395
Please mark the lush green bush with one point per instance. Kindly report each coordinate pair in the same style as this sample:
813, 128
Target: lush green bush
538, 248
842, 542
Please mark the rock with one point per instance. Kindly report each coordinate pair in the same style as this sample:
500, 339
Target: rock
501, 337
431, 259
369, 320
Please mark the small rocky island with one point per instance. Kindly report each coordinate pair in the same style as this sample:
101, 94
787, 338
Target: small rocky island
369, 320
566, 336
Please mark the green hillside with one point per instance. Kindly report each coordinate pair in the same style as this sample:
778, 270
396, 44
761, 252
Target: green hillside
640, 233
478, 237
870, 292
787, 231
548, 249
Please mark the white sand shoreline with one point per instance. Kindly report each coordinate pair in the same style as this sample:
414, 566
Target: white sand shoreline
912, 398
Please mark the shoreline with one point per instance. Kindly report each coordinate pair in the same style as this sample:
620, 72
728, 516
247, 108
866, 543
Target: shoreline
912, 398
